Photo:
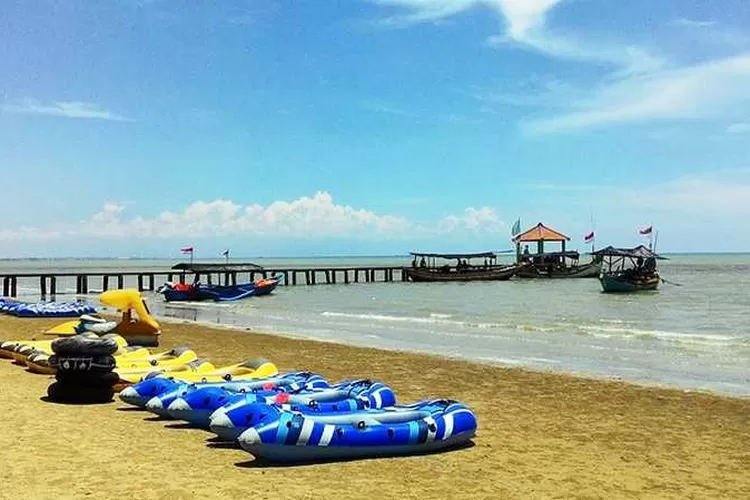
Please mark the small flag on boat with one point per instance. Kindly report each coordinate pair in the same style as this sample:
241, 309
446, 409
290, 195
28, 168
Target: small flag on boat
589, 237
646, 230
186, 250
516, 228
225, 253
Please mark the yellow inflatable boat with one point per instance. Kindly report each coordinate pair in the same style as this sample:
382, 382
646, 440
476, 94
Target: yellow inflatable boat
130, 359
202, 371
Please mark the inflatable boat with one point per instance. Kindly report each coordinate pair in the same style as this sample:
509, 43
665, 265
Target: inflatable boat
168, 389
45, 309
279, 435
202, 371
197, 407
230, 420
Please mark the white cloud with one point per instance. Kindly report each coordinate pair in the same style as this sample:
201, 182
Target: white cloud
316, 216
701, 91
526, 27
739, 128
692, 23
483, 219
67, 109
726, 194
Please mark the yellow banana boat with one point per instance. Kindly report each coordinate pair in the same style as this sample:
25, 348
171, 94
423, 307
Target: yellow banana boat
203, 371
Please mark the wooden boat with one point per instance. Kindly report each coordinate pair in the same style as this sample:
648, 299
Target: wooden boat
562, 264
629, 269
428, 269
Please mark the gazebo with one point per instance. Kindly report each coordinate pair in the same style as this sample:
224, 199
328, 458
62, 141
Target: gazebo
539, 234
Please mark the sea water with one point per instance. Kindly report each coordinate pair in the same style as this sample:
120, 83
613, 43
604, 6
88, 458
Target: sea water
693, 336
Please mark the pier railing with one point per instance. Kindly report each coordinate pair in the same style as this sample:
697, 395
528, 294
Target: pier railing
83, 282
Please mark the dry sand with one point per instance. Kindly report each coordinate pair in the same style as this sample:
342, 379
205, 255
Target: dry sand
541, 436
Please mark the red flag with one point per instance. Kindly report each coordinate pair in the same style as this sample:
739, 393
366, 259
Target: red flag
646, 230
186, 250
589, 237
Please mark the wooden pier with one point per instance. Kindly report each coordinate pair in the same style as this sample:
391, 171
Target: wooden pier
92, 282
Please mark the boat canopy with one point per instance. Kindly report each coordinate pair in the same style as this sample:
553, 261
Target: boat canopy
455, 255
633, 253
540, 232
217, 268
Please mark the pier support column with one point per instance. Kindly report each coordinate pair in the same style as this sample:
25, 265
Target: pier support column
120, 281
53, 286
140, 282
105, 283
151, 283
6, 286
346, 276
14, 287
307, 278
43, 286
328, 276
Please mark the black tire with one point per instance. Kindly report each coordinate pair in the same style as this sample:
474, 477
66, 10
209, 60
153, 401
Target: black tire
83, 345
61, 393
83, 364
87, 380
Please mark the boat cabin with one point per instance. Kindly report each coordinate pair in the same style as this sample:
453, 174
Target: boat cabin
541, 234
463, 261
635, 260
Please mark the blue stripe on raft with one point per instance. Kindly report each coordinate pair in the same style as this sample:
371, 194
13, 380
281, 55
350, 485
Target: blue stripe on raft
413, 432
294, 430
283, 429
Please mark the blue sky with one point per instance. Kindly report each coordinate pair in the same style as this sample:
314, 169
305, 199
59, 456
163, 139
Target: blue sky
370, 126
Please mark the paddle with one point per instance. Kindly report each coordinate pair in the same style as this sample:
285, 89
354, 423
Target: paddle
670, 282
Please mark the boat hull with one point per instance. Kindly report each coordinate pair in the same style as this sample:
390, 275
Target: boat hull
591, 270
220, 293
622, 284
436, 275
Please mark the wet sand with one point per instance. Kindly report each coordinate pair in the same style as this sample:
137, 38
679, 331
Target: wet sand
541, 435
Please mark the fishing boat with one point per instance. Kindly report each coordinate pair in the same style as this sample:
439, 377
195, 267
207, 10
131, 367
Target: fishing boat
629, 269
560, 264
426, 267
229, 291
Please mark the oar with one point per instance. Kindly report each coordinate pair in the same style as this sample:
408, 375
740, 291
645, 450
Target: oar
670, 282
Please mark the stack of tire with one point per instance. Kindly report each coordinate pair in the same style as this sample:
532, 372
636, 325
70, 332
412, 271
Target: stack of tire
84, 367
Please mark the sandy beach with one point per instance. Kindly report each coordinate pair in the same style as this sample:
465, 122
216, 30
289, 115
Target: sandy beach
541, 435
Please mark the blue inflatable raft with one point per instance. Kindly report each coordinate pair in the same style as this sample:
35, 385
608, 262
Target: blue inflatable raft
230, 420
45, 309
295, 381
279, 435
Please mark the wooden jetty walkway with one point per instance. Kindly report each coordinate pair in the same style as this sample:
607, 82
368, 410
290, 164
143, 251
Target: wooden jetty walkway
52, 283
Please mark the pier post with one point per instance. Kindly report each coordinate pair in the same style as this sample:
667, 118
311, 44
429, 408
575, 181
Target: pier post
234, 277
6, 286
43, 285
252, 276
53, 285
356, 275
307, 277
294, 278
328, 276
346, 276
79, 287
209, 278
14, 287
170, 277
105, 283
85, 283
265, 275
151, 283
314, 278
120, 281
285, 274
372, 275
140, 282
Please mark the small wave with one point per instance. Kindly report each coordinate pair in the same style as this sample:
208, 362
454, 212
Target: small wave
660, 335
431, 320
440, 316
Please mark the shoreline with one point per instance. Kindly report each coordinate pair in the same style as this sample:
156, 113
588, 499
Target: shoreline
541, 435
459, 358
